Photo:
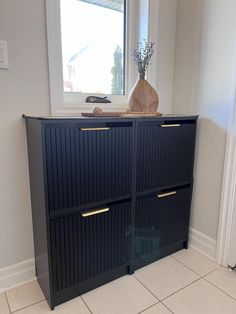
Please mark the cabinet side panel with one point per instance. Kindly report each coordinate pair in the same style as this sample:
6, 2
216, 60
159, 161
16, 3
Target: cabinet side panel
34, 139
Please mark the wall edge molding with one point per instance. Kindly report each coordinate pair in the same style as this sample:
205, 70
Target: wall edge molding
17, 274
228, 198
202, 243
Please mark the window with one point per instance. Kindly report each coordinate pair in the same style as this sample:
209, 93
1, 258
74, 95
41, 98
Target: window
93, 36
89, 44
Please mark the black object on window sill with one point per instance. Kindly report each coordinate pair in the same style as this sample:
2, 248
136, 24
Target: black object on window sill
96, 99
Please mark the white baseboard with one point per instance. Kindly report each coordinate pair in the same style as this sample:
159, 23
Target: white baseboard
17, 274
202, 243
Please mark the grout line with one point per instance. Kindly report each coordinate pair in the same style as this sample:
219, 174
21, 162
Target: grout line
146, 288
199, 278
7, 302
167, 308
181, 289
219, 289
186, 266
25, 307
213, 271
202, 276
149, 307
86, 305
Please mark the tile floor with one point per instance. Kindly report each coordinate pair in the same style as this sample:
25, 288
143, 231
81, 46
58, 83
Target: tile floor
184, 283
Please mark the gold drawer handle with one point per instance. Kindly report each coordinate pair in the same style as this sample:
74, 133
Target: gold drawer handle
166, 194
170, 125
95, 212
94, 129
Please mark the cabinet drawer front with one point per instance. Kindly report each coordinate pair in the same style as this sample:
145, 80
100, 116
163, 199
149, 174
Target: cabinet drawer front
165, 155
84, 246
87, 164
160, 221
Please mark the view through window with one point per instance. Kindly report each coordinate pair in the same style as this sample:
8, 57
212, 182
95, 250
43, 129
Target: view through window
93, 46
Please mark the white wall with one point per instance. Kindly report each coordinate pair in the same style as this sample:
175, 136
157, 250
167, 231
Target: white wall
165, 47
23, 89
204, 84
162, 30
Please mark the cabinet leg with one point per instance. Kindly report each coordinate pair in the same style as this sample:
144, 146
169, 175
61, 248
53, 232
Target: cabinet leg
186, 244
130, 270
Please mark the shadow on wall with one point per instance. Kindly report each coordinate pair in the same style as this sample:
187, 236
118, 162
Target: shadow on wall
204, 84
208, 175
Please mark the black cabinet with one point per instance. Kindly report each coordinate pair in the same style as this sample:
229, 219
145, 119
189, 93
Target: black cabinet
161, 224
108, 195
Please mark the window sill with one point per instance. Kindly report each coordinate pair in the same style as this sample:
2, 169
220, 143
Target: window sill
75, 109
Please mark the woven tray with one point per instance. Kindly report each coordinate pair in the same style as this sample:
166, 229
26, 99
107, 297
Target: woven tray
121, 114
141, 114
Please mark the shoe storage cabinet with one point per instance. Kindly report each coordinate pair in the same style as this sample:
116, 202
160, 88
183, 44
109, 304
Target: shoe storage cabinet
108, 197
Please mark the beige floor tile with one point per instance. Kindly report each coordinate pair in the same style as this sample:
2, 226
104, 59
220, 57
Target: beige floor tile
201, 298
3, 304
224, 279
75, 306
165, 277
195, 261
157, 309
25, 295
124, 295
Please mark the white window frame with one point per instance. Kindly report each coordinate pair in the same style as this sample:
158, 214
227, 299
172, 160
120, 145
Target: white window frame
74, 103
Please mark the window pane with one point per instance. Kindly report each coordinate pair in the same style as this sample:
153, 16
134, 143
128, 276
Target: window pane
93, 45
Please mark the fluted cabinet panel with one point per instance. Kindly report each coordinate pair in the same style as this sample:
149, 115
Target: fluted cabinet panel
159, 223
85, 167
84, 247
170, 156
